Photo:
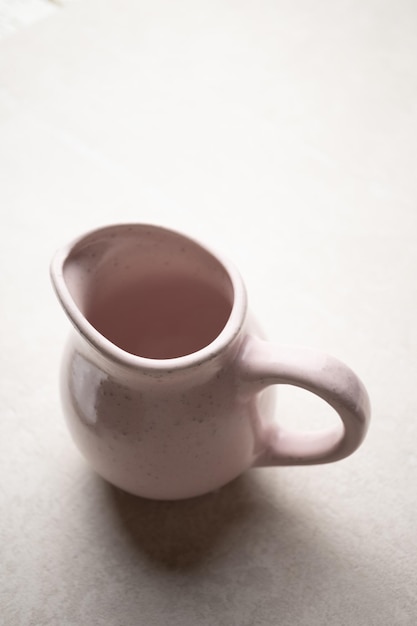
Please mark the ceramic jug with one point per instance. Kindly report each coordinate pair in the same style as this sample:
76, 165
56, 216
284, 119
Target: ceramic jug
167, 384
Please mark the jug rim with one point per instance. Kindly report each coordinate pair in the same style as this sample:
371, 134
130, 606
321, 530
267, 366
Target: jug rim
107, 348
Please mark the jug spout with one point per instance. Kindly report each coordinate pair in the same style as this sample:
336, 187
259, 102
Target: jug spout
80, 270
88, 276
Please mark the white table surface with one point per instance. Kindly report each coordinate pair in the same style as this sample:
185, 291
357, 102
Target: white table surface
285, 135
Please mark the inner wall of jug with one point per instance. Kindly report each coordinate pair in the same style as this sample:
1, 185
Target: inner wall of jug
151, 292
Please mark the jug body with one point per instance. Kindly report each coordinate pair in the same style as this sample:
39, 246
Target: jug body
173, 434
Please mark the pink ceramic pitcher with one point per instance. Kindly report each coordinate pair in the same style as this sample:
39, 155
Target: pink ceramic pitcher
166, 385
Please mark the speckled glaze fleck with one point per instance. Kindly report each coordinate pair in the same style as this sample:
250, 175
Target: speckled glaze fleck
177, 427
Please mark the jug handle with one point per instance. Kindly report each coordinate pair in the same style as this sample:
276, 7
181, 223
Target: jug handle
263, 364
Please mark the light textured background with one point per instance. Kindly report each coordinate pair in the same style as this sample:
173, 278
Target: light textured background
285, 135
17, 14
